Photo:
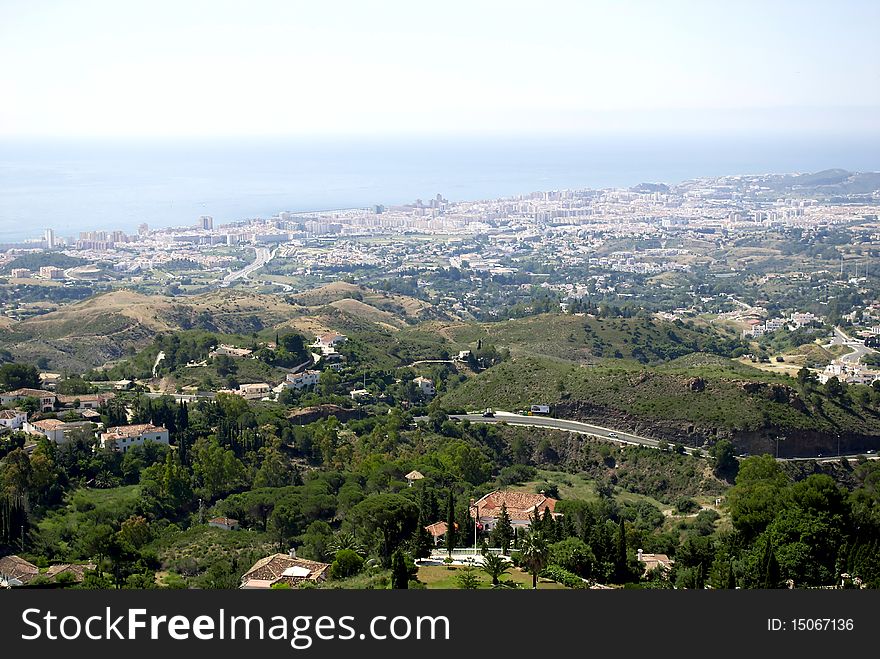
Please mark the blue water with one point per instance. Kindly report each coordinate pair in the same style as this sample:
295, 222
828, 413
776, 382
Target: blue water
78, 186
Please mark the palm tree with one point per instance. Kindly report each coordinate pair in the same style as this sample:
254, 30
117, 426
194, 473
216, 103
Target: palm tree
345, 540
495, 566
535, 552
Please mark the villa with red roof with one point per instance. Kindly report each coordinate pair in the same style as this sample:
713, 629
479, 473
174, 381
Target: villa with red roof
521, 507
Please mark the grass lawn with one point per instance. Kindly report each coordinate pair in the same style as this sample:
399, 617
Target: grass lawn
440, 576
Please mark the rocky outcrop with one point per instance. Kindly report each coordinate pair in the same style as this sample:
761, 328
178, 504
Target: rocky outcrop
306, 415
792, 443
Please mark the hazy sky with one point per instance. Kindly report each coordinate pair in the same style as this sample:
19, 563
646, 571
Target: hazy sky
260, 67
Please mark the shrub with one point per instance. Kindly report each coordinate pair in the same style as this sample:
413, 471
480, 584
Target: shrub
686, 505
346, 564
573, 555
563, 576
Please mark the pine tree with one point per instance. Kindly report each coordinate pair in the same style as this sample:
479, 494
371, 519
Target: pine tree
503, 533
731, 577
450, 524
399, 573
771, 568
548, 526
421, 542
621, 572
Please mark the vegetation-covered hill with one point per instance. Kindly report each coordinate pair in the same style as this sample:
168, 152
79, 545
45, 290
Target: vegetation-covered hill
692, 400
113, 325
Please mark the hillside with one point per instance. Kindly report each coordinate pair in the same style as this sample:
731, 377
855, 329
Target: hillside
108, 327
694, 400
584, 338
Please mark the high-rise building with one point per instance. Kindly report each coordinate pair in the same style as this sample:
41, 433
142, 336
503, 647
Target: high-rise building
49, 237
206, 223
143, 229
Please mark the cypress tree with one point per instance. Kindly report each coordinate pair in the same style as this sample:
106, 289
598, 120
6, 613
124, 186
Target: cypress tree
503, 533
399, 573
450, 524
620, 568
731, 576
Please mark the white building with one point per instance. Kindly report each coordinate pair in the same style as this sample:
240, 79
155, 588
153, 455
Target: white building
51, 272
12, 419
425, 385
254, 391
54, 429
46, 398
304, 379
230, 351
122, 438
330, 340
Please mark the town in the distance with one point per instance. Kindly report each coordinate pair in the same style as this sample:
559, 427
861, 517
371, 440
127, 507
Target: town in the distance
662, 386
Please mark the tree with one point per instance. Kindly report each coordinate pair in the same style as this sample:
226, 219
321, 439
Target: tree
390, 516
724, 454
621, 568
346, 564
421, 542
344, 540
495, 566
275, 470
399, 571
535, 552
731, 576
806, 378
502, 533
18, 376
450, 524
284, 523
771, 567
225, 365
756, 498
574, 555
467, 577
217, 469
16, 473
833, 387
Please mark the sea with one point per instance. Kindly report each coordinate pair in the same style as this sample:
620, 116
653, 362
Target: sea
79, 185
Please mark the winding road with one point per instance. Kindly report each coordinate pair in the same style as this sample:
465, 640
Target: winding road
859, 349
608, 434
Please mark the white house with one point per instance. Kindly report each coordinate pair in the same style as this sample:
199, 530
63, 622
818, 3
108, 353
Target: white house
12, 419
54, 429
122, 438
330, 340
46, 398
304, 379
426, 386
360, 394
230, 351
225, 523
254, 391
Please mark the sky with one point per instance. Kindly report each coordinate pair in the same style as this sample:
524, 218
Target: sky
159, 68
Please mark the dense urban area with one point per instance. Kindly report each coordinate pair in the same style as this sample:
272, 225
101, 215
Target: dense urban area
666, 386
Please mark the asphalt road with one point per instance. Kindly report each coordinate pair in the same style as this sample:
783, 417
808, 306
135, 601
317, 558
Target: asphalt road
264, 255
562, 424
604, 433
859, 349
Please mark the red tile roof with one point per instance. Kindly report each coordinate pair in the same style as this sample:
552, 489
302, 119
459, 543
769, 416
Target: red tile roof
520, 505
270, 570
438, 528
